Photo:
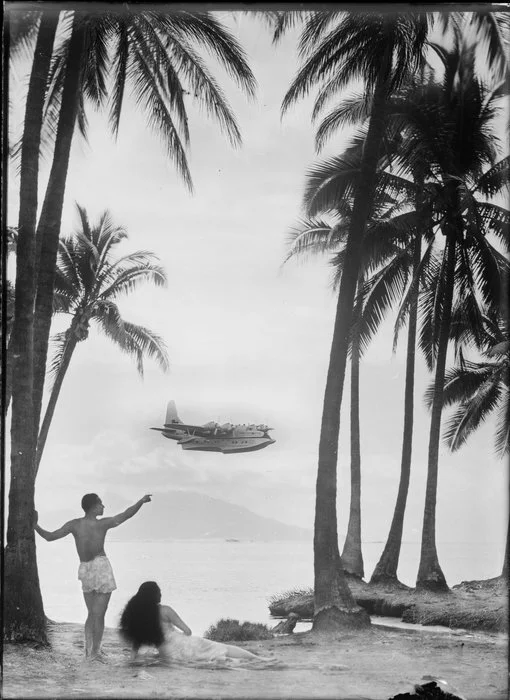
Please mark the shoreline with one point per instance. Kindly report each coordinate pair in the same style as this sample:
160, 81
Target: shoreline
377, 663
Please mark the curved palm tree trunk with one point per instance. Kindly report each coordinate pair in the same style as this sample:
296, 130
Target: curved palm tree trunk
430, 575
334, 605
7, 313
72, 341
387, 566
48, 230
504, 572
9, 362
352, 558
23, 608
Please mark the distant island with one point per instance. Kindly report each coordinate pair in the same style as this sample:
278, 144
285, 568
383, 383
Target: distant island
191, 515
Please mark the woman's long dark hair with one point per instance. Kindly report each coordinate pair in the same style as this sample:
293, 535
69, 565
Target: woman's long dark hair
139, 622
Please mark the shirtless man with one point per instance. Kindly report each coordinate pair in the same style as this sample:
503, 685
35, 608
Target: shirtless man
95, 571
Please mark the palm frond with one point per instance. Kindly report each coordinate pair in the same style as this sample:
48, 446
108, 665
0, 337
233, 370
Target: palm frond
119, 63
469, 416
463, 382
143, 342
349, 111
486, 262
315, 236
493, 29
204, 88
491, 218
132, 339
58, 344
129, 278
389, 237
67, 278
281, 21
207, 31
347, 51
381, 293
112, 270
314, 28
108, 317
330, 183
94, 70
146, 86
495, 179
502, 436
156, 55
421, 278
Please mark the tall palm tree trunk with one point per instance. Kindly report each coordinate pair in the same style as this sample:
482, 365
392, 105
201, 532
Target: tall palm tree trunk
72, 341
23, 608
504, 571
430, 575
334, 605
387, 566
352, 558
48, 231
9, 364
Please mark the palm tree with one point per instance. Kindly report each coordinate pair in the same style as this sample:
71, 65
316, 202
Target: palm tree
402, 279
392, 281
7, 311
153, 53
451, 121
386, 287
88, 283
385, 266
24, 614
386, 568
317, 236
382, 50
156, 54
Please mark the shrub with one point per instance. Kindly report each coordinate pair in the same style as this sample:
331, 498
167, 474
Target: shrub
233, 631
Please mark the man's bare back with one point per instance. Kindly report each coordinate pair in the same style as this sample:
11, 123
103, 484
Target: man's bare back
89, 536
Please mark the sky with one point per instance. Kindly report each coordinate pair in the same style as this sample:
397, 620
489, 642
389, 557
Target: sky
248, 339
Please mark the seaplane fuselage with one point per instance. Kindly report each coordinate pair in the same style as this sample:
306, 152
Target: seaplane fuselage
213, 437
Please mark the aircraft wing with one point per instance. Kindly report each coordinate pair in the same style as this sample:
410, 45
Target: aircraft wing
201, 430
197, 429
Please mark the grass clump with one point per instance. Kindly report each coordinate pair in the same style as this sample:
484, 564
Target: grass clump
233, 631
278, 598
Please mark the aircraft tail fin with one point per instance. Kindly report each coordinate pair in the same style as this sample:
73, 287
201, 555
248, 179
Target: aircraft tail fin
171, 413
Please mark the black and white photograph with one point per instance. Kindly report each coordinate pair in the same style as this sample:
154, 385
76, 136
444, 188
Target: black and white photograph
255, 350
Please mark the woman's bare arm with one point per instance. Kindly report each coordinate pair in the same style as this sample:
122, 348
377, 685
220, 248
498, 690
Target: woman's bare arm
171, 616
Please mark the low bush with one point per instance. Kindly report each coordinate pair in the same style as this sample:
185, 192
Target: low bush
233, 631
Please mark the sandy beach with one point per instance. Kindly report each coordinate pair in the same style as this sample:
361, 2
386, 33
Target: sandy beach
378, 663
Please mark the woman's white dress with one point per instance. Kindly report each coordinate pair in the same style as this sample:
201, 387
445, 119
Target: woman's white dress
181, 648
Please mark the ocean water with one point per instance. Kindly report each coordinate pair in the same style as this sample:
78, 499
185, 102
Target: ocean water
206, 580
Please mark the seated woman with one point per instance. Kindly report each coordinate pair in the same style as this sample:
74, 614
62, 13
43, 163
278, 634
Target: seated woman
144, 621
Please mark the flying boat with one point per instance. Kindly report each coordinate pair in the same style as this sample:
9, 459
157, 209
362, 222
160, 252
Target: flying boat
213, 437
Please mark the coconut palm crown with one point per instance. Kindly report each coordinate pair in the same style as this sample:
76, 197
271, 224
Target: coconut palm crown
89, 282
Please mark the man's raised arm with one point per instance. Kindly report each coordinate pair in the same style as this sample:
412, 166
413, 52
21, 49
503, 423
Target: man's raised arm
128, 513
56, 534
